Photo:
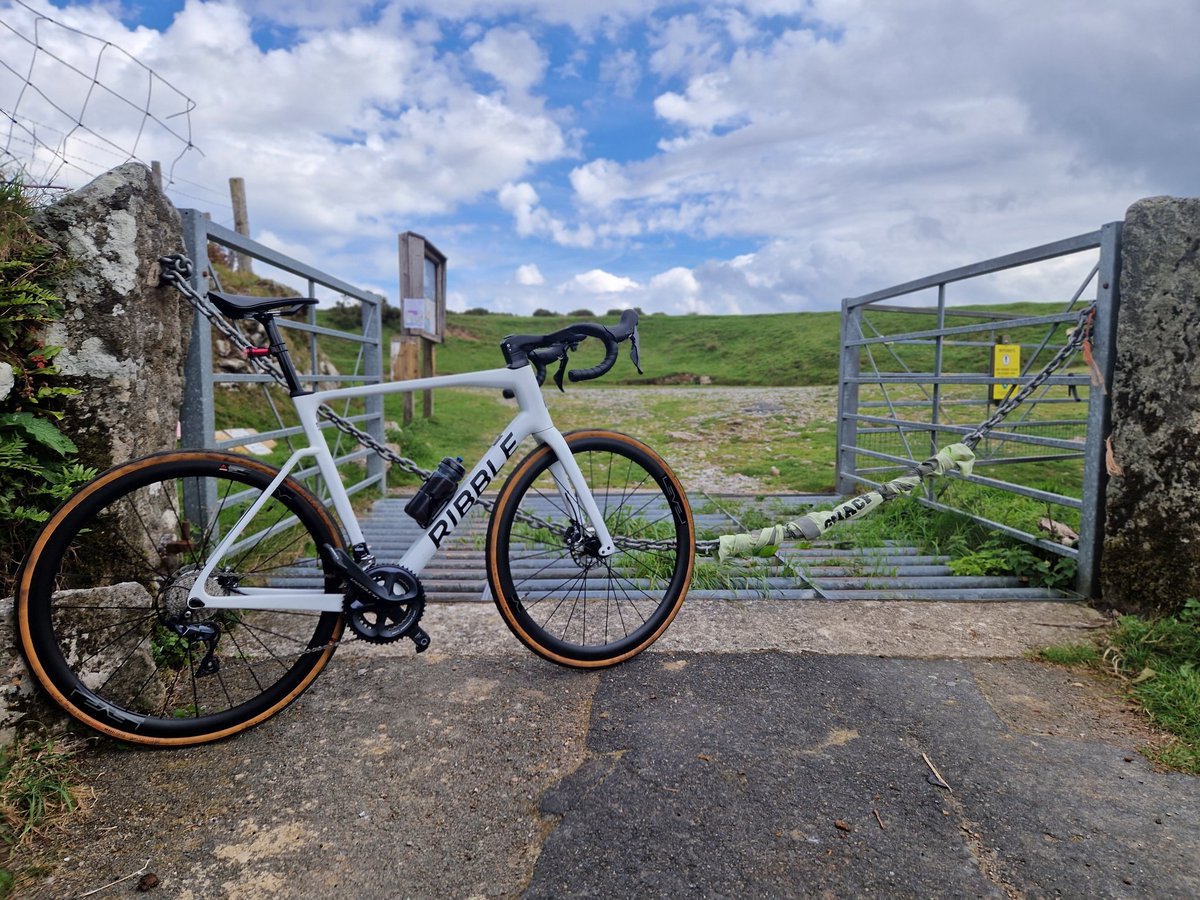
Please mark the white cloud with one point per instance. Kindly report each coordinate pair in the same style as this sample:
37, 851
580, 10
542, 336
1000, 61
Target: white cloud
762, 164
623, 71
599, 182
685, 46
510, 56
858, 165
345, 131
597, 281
532, 219
530, 275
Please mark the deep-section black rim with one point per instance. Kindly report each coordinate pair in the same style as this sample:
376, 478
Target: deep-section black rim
568, 600
101, 621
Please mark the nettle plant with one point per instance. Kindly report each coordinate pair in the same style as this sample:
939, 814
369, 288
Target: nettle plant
38, 468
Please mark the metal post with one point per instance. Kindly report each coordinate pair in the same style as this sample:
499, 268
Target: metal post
372, 325
848, 370
1104, 351
936, 400
197, 418
241, 221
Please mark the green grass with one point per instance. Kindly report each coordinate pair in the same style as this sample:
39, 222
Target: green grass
1159, 661
1071, 654
38, 788
776, 349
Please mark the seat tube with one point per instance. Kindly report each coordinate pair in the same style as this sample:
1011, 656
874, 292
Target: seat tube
279, 350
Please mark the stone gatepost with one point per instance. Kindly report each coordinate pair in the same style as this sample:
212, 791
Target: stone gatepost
1151, 557
124, 337
124, 340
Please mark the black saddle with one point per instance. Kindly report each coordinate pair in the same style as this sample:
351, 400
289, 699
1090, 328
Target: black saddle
237, 306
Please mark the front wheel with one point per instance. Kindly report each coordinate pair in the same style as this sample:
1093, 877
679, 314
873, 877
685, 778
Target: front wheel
102, 599
557, 594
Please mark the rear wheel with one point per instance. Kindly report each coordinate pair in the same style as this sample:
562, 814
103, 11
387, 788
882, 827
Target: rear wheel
557, 594
102, 599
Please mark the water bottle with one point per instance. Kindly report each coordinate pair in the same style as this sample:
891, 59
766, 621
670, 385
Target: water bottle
436, 492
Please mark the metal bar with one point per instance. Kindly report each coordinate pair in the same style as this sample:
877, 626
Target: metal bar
226, 237
256, 377
1032, 439
901, 462
1052, 250
848, 381
927, 377
196, 414
934, 413
901, 404
1104, 352
967, 313
280, 433
321, 330
913, 336
372, 370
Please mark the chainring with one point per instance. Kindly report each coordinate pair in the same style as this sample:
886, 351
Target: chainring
380, 622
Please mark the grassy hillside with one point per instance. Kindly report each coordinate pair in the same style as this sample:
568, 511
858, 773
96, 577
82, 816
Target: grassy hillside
751, 350
778, 349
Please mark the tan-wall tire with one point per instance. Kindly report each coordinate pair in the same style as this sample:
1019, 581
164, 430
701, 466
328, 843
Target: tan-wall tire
42, 654
504, 593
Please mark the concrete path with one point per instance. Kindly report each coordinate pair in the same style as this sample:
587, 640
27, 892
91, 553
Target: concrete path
761, 749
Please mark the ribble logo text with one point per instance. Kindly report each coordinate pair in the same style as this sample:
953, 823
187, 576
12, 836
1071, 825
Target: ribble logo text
470, 493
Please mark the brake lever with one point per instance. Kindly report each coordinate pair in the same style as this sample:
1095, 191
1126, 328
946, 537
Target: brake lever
634, 355
558, 376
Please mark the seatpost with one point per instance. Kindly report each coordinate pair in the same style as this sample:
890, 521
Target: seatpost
279, 350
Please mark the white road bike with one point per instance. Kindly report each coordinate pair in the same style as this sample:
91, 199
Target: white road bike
188, 595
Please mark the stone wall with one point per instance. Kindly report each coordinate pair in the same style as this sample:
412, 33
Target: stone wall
124, 341
124, 336
1151, 557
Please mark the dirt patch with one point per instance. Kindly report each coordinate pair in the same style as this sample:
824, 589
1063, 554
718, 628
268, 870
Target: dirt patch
1037, 698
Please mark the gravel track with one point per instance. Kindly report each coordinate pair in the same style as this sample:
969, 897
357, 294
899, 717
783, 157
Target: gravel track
710, 415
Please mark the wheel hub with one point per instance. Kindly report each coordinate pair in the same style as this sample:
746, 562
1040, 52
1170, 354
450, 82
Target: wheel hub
173, 597
583, 544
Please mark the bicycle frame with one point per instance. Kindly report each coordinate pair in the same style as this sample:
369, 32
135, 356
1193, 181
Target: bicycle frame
532, 420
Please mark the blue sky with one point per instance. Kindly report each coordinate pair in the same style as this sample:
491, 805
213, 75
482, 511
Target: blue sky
746, 156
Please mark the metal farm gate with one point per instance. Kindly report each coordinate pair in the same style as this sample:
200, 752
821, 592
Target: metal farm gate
200, 424
916, 375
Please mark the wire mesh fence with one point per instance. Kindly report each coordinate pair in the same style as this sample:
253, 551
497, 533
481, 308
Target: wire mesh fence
74, 105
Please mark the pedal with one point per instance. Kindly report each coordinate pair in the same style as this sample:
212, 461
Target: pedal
420, 638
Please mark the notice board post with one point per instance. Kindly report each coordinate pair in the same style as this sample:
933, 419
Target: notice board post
423, 300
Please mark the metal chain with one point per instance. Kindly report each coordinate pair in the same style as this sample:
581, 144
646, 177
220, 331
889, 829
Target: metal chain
177, 269
1079, 334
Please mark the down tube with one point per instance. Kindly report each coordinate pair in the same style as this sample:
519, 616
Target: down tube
470, 489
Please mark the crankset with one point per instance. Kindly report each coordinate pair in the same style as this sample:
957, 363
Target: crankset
383, 602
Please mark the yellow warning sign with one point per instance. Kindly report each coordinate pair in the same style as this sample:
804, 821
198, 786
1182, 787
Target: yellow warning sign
1006, 363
